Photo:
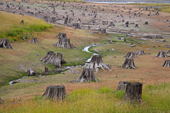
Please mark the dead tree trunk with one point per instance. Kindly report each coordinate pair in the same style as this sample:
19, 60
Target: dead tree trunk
64, 43
140, 52
96, 63
46, 71
122, 86
129, 64
161, 54
55, 92
34, 40
131, 55
4, 43
166, 63
87, 75
133, 92
52, 58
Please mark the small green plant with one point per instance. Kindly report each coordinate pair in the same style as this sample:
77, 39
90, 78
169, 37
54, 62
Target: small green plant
37, 97
104, 90
119, 94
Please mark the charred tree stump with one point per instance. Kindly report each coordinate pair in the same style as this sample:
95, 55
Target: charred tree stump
55, 92
52, 58
30, 72
129, 64
133, 92
4, 43
66, 20
140, 52
97, 62
130, 55
46, 71
161, 54
64, 43
166, 63
87, 75
34, 40
122, 86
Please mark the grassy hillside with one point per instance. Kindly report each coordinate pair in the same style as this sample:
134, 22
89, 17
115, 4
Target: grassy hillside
12, 29
156, 99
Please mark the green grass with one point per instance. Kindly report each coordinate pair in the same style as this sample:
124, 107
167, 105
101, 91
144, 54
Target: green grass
13, 30
155, 100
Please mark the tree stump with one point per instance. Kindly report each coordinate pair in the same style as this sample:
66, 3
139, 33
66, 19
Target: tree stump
146, 23
168, 52
96, 63
76, 25
4, 43
55, 92
66, 20
61, 35
103, 31
22, 22
1, 101
34, 40
111, 24
140, 52
87, 75
46, 71
166, 63
30, 72
136, 26
52, 58
122, 86
161, 54
133, 92
129, 64
64, 43
130, 55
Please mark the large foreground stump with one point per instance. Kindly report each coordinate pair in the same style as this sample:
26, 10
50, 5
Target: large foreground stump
166, 63
161, 54
130, 55
122, 86
55, 92
34, 40
133, 92
97, 62
129, 64
87, 75
4, 43
140, 52
52, 58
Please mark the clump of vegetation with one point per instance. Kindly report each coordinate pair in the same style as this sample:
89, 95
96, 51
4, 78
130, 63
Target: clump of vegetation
12, 29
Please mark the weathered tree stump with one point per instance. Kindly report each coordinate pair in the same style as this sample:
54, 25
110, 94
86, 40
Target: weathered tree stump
52, 58
96, 63
4, 43
1, 101
133, 92
66, 20
161, 54
76, 25
122, 86
64, 43
55, 92
166, 63
61, 35
30, 72
129, 64
130, 55
87, 75
103, 31
34, 40
46, 71
140, 52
